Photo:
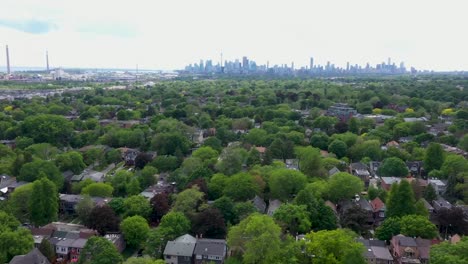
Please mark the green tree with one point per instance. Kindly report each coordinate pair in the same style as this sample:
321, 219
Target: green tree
335, 246
231, 160
226, 206
310, 161
338, 147
47, 250
31, 171
98, 189
241, 187
187, 201
19, 202
430, 193
343, 186
447, 252
175, 223
135, 230
294, 219
257, 137
389, 228
52, 129
401, 200
84, 207
421, 209
14, 240
454, 165
393, 167
170, 143
147, 176
137, 205
72, 161
434, 157
256, 239
418, 226
285, 184
43, 202
99, 250
207, 155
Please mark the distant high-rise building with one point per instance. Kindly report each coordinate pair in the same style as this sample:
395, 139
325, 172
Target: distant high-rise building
47, 60
311, 66
389, 61
245, 63
292, 65
347, 66
8, 60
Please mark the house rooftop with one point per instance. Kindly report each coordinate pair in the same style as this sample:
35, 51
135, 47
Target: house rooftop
210, 247
33, 257
181, 246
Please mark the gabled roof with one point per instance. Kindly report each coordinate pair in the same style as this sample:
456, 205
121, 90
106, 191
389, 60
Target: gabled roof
33, 257
377, 204
181, 246
211, 247
333, 171
405, 241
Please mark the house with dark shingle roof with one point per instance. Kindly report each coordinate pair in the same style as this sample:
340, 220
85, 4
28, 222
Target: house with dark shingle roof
180, 250
376, 252
33, 257
210, 251
378, 207
410, 250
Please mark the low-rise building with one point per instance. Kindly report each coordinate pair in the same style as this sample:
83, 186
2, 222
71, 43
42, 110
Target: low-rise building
439, 186
212, 251
376, 252
410, 250
33, 257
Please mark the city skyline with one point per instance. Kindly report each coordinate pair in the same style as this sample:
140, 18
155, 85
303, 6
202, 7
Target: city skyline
169, 35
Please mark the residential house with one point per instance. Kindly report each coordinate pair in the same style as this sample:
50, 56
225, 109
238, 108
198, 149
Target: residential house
212, 251
378, 208
7, 185
33, 257
360, 170
415, 119
376, 252
374, 167
333, 171
9, 143
440, 203
259, 204
429, 208
410, 250
342, 111
68, 202
292, 164
69, 240
180, 250
160, 187
358, 202
273, 205
439, 186
386, 182
415, 168
129, 155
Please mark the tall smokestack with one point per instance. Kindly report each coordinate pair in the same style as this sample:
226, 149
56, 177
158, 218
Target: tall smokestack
8, 60
47, 59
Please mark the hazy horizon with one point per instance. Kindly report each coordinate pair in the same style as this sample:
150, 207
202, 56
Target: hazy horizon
167, 35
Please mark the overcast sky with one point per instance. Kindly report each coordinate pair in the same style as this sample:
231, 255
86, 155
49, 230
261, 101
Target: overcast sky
169, 34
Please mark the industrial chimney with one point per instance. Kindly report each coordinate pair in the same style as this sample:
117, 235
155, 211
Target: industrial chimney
47, 60
8, 60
